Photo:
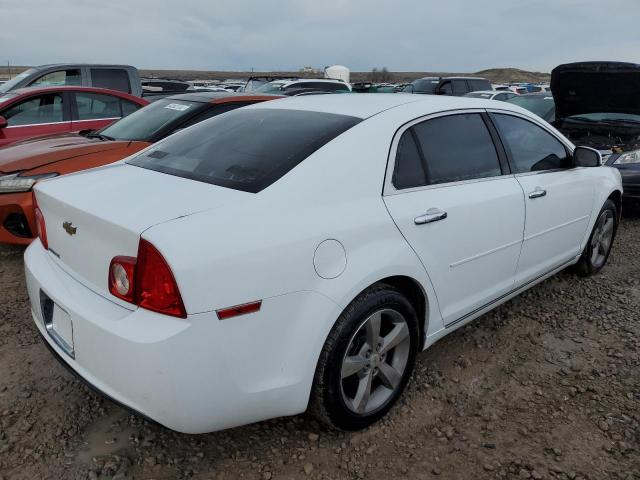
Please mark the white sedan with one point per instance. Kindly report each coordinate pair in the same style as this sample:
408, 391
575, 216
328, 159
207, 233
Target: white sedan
298, 254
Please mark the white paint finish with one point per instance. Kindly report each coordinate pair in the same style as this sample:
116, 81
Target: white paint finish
227, 247
471, 255
556, 222
330, 259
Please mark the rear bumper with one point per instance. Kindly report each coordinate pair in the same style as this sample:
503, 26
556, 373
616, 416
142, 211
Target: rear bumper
17, 222
192, 375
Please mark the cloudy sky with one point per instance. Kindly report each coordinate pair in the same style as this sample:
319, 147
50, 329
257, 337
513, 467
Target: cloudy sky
403, 35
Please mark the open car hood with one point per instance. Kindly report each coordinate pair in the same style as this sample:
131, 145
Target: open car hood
596, 87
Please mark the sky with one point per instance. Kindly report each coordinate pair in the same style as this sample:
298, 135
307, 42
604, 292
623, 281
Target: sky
238, 35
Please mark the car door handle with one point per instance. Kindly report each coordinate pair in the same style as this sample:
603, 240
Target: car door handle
537, 193
432, 215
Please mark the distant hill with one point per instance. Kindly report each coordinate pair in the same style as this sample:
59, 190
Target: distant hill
495, 75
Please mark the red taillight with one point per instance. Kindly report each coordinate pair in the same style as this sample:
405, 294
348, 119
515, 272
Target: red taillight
41, 227
156, 288
122, 278
146, 281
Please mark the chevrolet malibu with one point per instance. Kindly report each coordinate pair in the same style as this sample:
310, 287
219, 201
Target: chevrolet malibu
298, 254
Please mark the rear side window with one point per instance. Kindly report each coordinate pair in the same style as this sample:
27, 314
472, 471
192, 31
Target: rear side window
454, 148
476, 85
246, 149
532, 148
410, 171
94, 106
112, 78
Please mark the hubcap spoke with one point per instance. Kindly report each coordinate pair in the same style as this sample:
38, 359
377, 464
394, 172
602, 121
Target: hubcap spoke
607, 229
399, 333
595, 252
389, 376
353, 365
363, 394
373, 329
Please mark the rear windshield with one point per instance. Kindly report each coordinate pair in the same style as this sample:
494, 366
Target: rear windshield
539, 104
245, 149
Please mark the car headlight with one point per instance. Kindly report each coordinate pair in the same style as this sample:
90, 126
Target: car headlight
628, 157
16, 183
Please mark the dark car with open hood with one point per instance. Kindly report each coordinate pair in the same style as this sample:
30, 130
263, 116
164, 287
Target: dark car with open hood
598, 106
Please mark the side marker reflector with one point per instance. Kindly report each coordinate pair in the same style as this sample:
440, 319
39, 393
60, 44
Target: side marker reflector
238, 310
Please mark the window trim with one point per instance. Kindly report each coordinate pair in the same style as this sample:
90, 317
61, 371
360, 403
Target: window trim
569, 147
390, 189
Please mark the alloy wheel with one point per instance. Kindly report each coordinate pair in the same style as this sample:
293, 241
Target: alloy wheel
375, 361
602, 238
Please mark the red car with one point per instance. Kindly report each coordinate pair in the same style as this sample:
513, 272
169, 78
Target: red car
33, 112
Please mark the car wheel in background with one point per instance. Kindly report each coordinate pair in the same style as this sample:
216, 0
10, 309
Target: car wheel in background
598, 248
367, 359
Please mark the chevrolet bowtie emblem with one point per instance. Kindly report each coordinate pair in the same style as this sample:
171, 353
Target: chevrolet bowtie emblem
69, 228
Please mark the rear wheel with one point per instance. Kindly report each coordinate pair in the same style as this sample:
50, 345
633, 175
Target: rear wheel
367, 360
598, 248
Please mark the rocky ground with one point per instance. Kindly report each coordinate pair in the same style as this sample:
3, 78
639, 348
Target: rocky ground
547, 386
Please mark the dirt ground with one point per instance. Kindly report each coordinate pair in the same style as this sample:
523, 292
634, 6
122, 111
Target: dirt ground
547, 386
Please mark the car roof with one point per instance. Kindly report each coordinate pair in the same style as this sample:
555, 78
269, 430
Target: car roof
493, 92
537, 94
56, 65
366, 105
452, 78
72, 88
221, 97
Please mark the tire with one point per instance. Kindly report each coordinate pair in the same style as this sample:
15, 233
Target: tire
348, 364
597, 250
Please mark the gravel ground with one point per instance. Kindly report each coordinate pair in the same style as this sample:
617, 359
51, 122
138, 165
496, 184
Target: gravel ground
547, 386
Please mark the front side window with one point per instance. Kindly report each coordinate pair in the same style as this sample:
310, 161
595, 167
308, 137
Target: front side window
111, 78
36, 110
531, 147
95, 106
58, 78
446, 89
454, 148
246, 149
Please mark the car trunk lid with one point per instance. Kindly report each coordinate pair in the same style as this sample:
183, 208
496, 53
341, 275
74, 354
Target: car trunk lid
97, 215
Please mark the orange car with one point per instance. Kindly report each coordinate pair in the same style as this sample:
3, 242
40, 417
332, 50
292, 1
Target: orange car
23, 164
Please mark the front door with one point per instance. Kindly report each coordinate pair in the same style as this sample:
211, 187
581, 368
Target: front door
559, 199
458, 208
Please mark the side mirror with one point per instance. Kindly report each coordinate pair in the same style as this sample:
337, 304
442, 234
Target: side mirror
3, 122
586, 157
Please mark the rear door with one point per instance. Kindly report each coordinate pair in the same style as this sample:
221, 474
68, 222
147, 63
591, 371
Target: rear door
44, 114
559, 198
452, 197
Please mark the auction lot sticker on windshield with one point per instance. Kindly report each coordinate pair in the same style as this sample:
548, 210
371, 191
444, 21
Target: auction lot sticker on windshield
177, 106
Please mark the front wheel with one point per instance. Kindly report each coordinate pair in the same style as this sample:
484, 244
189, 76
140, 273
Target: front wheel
367, 360
598, 248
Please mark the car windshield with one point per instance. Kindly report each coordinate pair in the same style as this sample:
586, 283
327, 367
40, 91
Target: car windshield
270, 87
422, 85
143, 124
541, 105
7, 86
245, 149
7, 96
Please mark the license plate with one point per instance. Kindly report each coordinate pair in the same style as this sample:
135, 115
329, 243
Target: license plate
57, 323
